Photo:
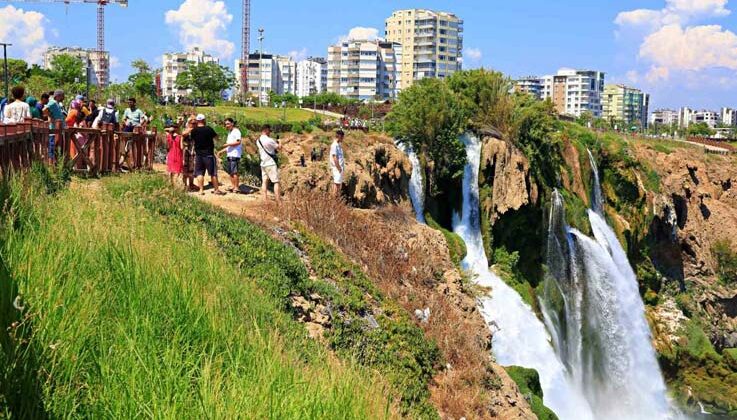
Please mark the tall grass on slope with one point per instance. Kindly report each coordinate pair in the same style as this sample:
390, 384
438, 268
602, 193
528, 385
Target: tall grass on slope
120, 315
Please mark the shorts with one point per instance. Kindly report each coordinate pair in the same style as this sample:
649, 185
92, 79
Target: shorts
271, 173
337, 176
232, 166
205, 163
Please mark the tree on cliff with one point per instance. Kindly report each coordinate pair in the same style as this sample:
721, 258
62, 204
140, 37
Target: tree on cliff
430, 118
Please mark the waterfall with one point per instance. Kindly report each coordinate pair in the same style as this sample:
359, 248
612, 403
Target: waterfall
597, 203
593, 308
416, 187
520, 338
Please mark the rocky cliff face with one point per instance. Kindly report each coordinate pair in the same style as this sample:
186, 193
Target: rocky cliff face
695, 208
377, 173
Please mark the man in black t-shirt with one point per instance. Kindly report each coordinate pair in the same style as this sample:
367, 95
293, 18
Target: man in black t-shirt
203, 138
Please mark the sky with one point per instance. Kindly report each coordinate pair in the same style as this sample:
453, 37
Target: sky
683, 52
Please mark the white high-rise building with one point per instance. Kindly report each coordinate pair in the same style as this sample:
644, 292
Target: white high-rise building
286, 76
176, 63
364, 69
728, 117
574, 92
711, 118
432, 40
99, 61
312, 76
685, 116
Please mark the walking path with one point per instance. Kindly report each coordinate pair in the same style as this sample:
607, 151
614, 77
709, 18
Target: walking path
324, 112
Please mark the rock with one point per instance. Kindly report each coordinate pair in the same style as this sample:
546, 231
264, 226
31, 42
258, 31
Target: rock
423, 315
300, 303
315, 331
507, 169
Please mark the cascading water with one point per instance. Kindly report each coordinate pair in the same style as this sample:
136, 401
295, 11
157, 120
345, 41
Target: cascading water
592, 305
520, 338
416, 188
597, 202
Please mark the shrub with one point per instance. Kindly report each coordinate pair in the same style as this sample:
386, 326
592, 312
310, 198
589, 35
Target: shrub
726, 259
528, 382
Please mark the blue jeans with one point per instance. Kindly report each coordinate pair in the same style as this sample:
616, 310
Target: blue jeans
52, 146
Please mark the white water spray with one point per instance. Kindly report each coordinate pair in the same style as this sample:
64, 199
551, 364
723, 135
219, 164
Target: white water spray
593, 308
520, 339
416, 187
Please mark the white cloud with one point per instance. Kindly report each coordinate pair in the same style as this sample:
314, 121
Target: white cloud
25, 30
674, 12
633, 76
114, 62
657, 74
361, 33
691, 49
202, 23
473, 54
298, 55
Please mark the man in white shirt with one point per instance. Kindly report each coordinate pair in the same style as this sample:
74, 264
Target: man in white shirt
267, 149
337, 162
234, 150
19, 110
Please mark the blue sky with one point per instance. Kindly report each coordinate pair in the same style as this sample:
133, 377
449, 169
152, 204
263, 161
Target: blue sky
684, 52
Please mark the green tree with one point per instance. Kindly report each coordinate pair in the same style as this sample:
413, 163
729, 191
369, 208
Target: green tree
142, 81
484, 97
67, 70
700, 129
534, 127
17, 74
141, 66
38, 84
430, 118
726, 258
207, 80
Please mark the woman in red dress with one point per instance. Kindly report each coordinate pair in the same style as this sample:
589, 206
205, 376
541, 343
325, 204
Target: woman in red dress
174, 157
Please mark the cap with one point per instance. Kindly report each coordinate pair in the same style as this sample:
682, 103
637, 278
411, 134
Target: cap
58, 92
79, 97
200, 117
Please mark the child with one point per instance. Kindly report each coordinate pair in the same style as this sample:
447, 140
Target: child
175, 155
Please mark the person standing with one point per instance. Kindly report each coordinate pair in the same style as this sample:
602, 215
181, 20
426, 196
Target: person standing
18, 110
174, 156
337, 162
54, 110
107, 115
35, 112
234, 150
204, 137
267, 148
188, 154
133, 117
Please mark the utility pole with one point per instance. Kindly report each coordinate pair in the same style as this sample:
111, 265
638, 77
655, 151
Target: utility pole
260, 63
89, 66
5, 59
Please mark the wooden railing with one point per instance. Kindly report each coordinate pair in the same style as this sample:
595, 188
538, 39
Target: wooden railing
88, 150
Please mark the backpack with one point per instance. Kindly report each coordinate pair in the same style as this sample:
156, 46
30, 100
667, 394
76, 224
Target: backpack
108, 117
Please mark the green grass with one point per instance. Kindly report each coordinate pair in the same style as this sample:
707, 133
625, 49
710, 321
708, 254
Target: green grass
259, 114
126, 315
397, 349
528, 382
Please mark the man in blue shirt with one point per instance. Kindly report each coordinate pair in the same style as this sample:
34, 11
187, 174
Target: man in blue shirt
54, 111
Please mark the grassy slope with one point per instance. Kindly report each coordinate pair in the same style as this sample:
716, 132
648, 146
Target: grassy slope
127, 316
260, 114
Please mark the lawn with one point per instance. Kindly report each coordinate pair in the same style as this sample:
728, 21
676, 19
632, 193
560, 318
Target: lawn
110, 311
259, 114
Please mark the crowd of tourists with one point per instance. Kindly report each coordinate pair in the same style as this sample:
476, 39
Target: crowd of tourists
79, 112
192, 154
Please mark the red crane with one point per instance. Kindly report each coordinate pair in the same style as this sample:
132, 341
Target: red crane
103, 65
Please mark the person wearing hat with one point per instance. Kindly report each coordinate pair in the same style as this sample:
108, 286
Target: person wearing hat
337, 162
203, 137
107, 115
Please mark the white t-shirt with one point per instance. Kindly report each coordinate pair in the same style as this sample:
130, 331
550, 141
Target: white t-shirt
16, 112
267, 146
337, 150
234, 151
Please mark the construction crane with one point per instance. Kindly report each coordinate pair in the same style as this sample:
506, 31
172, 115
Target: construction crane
245, 47
103, 66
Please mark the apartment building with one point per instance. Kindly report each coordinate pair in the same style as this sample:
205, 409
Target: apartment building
574, 92
174, 65
530, 84
99, 61
432, 43
728, 117
364, 69
286, 81
711, 118
627, 104
312, 76
664, 117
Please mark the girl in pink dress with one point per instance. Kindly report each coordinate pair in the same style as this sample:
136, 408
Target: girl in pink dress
174, 157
